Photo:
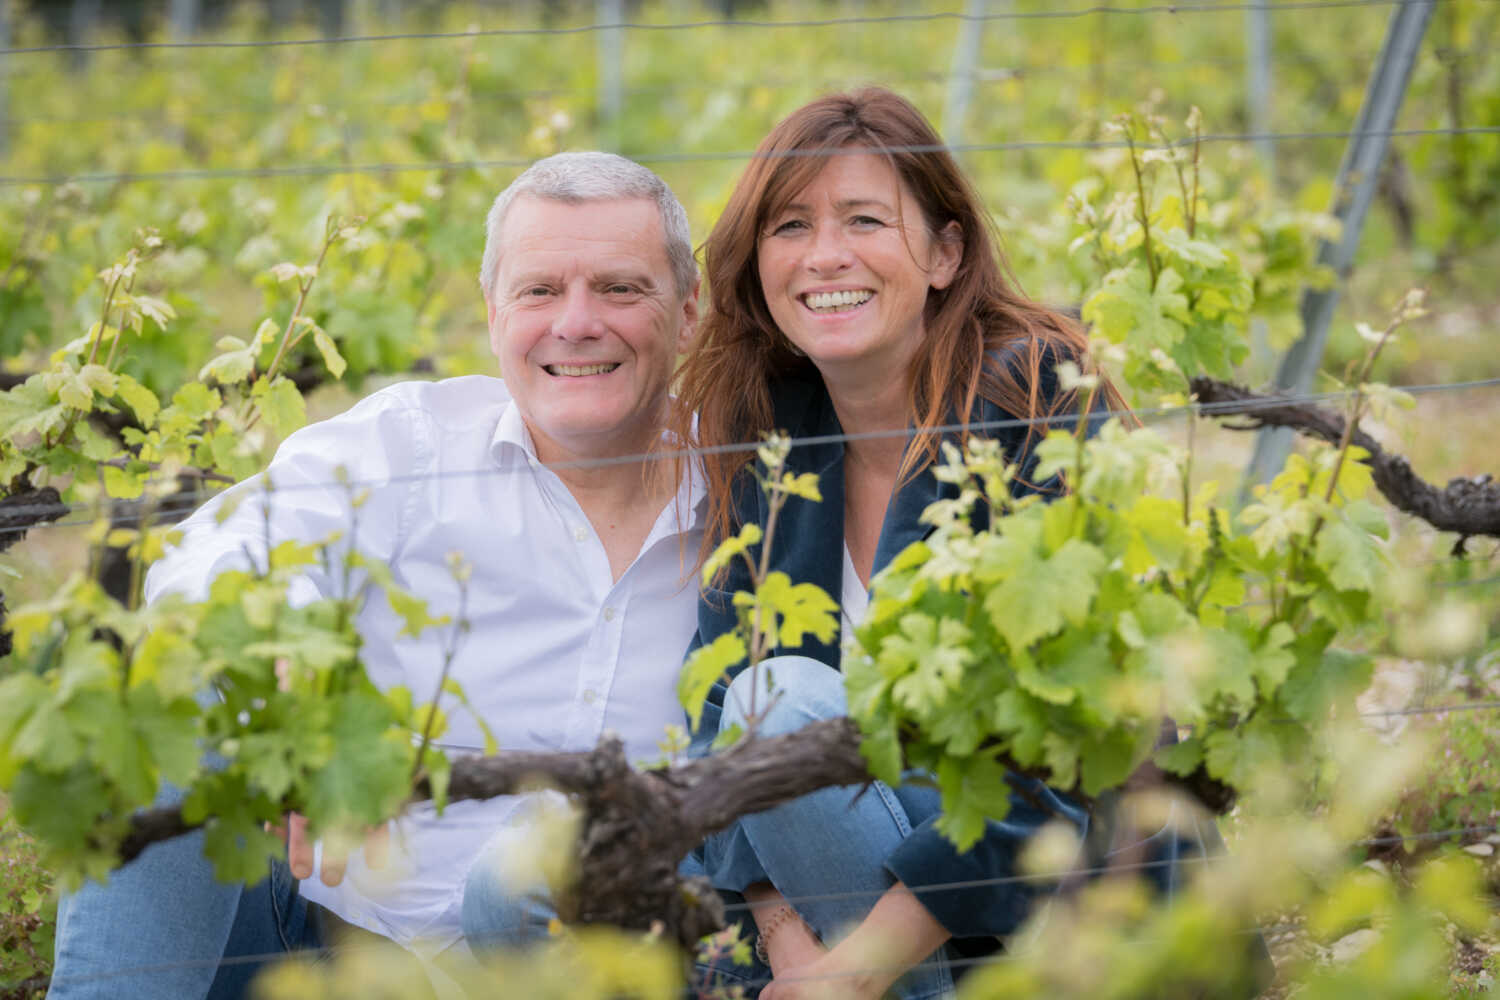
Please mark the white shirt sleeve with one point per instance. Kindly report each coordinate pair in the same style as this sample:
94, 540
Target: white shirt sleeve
381, 445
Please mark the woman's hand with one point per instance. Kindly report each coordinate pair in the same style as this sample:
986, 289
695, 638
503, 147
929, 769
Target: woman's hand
786, 939
829, 977
896, 935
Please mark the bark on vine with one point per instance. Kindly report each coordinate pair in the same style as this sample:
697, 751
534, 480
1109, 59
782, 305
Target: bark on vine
1466, 506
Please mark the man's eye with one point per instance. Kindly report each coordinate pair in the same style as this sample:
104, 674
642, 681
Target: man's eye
537, 291
621, 289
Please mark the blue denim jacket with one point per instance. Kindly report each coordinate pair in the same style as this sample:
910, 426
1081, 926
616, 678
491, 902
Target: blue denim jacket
808, 547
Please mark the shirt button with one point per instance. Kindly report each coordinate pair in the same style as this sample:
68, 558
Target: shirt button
609, 614
579, 535
590, 696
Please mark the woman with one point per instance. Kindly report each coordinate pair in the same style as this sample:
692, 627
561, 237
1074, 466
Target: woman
856, 289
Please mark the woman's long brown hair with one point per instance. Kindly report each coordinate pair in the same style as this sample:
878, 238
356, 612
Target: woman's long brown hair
726, 376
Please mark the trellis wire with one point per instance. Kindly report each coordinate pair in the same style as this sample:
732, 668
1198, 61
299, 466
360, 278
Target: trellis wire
1001, 74
1148, 415
334, 169
955, 16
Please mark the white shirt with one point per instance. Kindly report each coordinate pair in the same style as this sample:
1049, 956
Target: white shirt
559, 652
854, 599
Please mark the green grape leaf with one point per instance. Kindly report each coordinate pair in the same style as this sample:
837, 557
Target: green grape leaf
750, 534
1181, 758
1273, 660
159, 311
238, 846
804, 486
412, 610
365, 781
727, 737
704, 666
197, 401
1350, 555
169, 729
1158, 536
330, 351
881, 747
974, 791
1040, 595
60, 808
453, 687
930, 656
439, 774
1017, 716
795, 609
229, 368
270, 761
1320, 680
1110, 756
280, 404
1034, 682
76, 392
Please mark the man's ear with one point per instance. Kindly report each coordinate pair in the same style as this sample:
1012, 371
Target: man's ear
947, 254
689, 328
491, 312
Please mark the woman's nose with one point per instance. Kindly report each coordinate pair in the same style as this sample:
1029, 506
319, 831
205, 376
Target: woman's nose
829, 250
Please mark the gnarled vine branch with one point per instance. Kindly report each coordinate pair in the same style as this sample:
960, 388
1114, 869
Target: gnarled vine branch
1466, 506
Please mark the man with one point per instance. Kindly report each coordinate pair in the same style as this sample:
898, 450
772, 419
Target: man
580, 600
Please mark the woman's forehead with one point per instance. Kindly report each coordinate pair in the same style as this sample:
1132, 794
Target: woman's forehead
866, 171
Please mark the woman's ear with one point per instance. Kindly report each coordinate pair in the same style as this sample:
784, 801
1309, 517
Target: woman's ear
947, 254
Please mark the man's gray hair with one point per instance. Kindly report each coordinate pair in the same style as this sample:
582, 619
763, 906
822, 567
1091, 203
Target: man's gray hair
575, 178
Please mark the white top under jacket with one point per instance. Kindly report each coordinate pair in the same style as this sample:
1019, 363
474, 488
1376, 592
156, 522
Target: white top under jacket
559, 653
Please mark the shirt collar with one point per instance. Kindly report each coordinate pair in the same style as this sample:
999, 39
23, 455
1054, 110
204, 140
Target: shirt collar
512, 443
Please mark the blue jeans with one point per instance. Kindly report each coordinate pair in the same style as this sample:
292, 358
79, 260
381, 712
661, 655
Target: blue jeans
826, 851
164, 926
507, 908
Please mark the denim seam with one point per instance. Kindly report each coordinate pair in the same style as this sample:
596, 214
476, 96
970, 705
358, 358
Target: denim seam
893, 806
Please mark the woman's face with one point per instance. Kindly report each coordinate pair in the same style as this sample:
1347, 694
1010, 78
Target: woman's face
846, 266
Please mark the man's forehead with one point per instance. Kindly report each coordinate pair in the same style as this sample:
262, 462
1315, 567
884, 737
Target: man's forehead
612, 234
532, 217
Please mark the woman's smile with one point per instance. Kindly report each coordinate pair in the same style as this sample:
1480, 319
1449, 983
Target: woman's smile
836, 302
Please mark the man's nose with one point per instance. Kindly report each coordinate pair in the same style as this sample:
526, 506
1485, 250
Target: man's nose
579, 318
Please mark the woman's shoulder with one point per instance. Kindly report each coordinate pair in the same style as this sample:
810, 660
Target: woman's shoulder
1026, 361
1048, 348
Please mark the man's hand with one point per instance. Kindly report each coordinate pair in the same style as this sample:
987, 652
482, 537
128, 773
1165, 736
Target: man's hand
299, 850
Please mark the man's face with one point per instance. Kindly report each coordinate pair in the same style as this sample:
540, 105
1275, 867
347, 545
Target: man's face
586, 323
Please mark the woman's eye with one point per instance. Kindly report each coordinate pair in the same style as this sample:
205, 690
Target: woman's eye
867, 221
788, 227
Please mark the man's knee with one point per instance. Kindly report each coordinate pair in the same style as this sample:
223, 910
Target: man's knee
786, 694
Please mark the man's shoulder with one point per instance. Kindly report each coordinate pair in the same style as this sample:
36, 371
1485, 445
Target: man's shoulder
444, 405
450, 398
402, 422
